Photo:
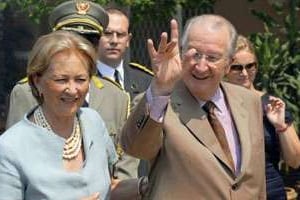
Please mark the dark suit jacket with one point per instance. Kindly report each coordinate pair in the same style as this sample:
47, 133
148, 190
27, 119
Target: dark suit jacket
137, 78
187, 160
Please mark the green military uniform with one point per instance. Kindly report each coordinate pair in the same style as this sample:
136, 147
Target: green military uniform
111, 102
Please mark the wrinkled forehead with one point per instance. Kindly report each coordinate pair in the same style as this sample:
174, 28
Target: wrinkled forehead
207, 37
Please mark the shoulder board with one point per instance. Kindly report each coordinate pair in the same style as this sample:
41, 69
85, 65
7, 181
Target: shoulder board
141, 67
113, 82
23, 80
97, 82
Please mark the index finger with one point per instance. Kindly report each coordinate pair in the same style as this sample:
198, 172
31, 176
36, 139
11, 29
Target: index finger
174, 30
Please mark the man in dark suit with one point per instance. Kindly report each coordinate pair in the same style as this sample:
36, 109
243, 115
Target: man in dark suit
113, 44
113, 64
203, 137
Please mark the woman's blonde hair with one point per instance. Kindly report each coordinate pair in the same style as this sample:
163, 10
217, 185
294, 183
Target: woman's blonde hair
244, 44
48, 46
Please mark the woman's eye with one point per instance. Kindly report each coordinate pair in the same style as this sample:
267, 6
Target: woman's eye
60, 80
81, 80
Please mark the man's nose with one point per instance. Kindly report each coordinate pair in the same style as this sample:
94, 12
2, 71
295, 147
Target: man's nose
201, 64
114, 38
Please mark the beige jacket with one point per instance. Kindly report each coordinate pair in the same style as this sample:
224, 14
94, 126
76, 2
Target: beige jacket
187, 160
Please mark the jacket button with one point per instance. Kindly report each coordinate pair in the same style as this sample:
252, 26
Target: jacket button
234, 186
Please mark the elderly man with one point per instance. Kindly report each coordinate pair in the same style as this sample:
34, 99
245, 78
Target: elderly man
203, 137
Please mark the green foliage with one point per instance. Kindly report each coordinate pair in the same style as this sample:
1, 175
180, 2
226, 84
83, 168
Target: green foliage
278, 55
36, 9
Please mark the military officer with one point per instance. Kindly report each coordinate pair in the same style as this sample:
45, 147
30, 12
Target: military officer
114, 64
88, 19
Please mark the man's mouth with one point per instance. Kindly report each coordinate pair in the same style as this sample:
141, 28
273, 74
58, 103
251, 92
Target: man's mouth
200, 77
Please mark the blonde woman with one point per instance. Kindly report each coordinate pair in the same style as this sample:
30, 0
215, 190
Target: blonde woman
59, 150
280, 134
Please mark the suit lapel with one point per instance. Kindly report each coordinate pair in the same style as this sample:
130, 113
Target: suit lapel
240, 117
195, 119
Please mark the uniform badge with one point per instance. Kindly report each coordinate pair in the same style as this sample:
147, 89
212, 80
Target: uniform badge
119, 151
82, 6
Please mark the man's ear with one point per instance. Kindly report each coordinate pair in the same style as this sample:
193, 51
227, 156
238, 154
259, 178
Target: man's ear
129, 38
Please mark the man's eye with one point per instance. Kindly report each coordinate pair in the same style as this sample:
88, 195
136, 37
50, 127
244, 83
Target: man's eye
212, 58
121, 35
107, 33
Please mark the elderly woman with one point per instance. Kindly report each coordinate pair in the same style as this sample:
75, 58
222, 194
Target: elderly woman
280, 134
59, 150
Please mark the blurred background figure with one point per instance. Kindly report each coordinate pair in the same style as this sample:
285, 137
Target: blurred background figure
113, 60
114, 64
59, 150
280, 136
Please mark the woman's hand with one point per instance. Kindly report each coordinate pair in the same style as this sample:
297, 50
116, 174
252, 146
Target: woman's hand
275, 111
95, 196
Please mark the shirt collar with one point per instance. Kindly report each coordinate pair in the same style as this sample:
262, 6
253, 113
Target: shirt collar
218, 99
108, 71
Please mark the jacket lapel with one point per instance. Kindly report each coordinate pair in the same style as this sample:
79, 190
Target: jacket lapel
195, 119
240, 117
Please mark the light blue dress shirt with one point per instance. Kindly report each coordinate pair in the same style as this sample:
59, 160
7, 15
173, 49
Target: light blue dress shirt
31, 165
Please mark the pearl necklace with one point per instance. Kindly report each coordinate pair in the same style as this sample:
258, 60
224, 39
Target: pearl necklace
72, 144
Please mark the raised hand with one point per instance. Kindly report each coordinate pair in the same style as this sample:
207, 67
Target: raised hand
166, 63
275, 111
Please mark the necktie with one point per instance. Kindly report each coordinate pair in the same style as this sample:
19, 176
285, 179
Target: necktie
219, 131
116, 76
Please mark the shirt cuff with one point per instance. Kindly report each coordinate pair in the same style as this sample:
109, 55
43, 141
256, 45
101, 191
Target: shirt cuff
157, 105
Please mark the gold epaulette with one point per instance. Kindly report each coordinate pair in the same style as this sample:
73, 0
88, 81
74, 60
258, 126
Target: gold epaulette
113, 82
97, 82
141, 67
128, 105
23, 80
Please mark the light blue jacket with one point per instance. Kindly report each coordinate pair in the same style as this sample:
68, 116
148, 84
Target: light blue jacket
31, 165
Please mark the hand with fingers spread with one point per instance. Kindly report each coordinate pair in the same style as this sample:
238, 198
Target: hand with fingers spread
275, 111
166, 63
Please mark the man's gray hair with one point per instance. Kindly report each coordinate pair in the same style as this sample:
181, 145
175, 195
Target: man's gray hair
214, 22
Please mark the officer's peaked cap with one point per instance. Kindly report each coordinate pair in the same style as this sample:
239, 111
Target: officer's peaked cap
82, 16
